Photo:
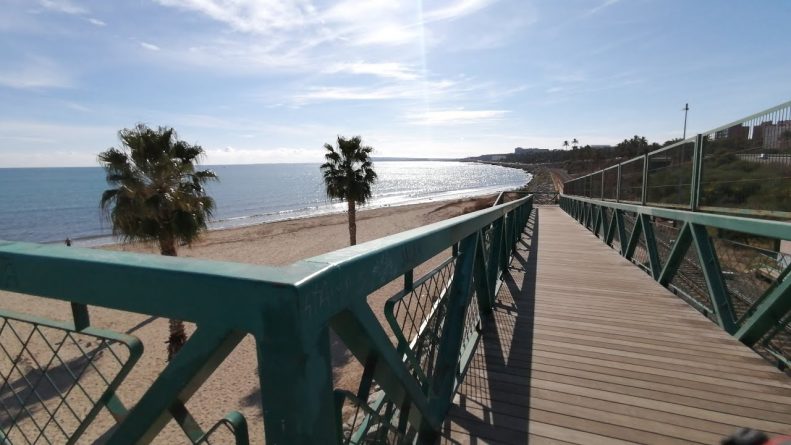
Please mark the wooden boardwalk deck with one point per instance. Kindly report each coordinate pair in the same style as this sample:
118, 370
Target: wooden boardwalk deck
586, 348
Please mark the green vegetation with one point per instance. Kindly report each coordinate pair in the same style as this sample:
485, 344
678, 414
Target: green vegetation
157, 195
349, 175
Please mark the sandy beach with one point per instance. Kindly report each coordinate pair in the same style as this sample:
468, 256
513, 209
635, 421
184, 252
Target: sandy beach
234, 386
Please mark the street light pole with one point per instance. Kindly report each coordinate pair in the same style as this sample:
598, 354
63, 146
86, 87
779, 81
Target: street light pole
686, 110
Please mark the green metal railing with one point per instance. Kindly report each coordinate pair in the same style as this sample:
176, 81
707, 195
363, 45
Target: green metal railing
409, 377
732, 269
740, 168
727, 267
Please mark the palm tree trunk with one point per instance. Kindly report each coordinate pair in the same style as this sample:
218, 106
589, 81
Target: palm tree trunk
352, 223
177, 337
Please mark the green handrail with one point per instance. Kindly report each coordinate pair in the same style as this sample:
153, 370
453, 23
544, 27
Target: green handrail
289, 311
707, 172
680, 249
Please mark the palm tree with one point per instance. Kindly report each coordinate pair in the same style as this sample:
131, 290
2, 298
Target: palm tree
349, 175
574, 142
157, 195
565, 144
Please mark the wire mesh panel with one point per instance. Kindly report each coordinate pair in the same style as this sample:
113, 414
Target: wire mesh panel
230, 430
54, 380
690, 282
666, 233
363, 424
747, 268
616, 238
472, 326
417, 316
595, 185
632, 180
776, 345
606, 217
747, 165
610, 191
670, 175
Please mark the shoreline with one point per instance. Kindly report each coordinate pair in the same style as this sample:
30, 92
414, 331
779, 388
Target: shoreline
102, 241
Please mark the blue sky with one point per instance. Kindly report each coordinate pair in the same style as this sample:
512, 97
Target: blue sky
272, 80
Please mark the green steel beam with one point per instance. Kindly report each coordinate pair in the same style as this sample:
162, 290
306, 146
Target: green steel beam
447, 365
494, 255
713, 274
650, 243
621, 232
295, 377
611, 229
204, 351
634, 237
485, 298
363, 335
752, 226
769, 312
676, 255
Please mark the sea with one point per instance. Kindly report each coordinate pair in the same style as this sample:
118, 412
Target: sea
47, 205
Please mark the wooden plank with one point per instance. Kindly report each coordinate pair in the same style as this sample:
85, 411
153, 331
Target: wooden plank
588, 348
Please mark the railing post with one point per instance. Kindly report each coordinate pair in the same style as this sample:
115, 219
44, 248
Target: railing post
645, 179
697, 171
712, 272
618, 186
447, 367
602, 186
493, 268
768, 314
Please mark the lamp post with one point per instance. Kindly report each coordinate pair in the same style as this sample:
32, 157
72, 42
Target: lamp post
686, 110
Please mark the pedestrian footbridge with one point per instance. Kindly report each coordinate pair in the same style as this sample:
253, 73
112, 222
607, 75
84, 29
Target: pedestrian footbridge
651, 305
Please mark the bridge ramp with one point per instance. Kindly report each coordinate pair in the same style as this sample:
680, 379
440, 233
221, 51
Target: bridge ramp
586, 348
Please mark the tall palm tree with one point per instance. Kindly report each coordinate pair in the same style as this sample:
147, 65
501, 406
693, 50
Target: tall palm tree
157, 195
574, 142
349, 175
565, 144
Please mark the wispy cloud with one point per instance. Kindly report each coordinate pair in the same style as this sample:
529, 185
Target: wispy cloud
393, 70
305, 30
455, 117
394, 90
64, 6
456, 10
603, 5
97, 22
149, 46
35, 72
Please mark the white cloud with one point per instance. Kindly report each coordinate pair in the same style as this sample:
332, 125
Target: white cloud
43, 144
456, 10
299, 33
257, 16
149, 46
97, 22
397, 90
35, 72
230, 155
455, 117
64, 6
392, 70
604, 5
